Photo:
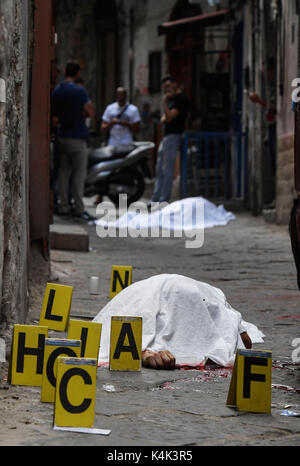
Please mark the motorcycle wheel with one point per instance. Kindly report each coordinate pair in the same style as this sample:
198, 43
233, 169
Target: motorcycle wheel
134, 188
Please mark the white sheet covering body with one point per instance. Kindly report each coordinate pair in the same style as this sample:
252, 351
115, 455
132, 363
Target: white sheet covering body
177, 216
189, 318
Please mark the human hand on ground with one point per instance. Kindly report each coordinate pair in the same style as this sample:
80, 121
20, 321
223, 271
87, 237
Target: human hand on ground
159, 360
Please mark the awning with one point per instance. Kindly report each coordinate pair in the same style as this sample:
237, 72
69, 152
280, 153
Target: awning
208, 19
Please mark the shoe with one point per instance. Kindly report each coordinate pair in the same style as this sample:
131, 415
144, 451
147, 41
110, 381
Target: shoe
84, 216
153, 206
62, 213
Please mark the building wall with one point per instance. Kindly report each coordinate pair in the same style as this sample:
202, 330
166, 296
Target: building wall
252, 114
285, 123
76, 40
14, 24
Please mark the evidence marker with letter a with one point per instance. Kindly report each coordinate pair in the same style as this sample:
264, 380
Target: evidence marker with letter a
126, 343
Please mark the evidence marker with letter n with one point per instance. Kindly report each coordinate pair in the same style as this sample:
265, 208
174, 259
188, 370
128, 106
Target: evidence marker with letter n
90, 335
27, 355
56, 307
126, 343
250, 386
75, 392
55, 347
121, 278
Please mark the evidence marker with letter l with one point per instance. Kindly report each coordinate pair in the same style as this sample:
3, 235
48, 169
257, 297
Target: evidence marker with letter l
121, 277
75, 392
89, 333
27, 356
250, 386
56, 307
126, 343
55, 347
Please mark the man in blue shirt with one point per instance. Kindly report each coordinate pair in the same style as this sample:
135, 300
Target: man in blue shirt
70, 107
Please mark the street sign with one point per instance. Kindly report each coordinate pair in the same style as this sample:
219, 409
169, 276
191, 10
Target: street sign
28, 343
121, 277
56, 307
89, 333
250, 386
75, 392
55, 347
125, 343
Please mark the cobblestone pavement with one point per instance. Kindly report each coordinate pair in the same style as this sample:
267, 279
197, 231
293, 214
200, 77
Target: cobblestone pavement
251, 262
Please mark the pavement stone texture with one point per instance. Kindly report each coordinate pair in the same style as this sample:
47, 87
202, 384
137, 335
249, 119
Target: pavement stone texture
251, 261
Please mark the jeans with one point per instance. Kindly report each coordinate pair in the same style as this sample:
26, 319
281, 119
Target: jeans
73, 161
167, 154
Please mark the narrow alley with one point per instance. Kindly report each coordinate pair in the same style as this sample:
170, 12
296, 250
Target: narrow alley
251, 262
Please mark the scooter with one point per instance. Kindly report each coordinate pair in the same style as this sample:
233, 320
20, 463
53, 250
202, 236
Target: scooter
120, 169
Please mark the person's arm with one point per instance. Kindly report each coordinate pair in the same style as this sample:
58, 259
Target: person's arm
133, 127
89, 110
168, 114
257, 100
246, 340
159, 360
106, 125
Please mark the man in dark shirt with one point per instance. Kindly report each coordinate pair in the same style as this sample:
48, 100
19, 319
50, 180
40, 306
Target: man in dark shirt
70, 107
175, 108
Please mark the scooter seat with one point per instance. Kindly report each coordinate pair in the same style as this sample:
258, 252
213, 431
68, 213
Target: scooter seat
109, 153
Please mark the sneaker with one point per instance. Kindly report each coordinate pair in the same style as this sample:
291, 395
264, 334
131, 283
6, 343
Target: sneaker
84, 216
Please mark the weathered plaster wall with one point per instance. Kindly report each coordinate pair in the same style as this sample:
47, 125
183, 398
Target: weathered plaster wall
76, 40
14, 16
285, 121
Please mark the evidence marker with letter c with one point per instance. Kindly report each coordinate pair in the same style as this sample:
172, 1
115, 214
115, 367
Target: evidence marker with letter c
55, 347
56, 307
75, 392
250, 386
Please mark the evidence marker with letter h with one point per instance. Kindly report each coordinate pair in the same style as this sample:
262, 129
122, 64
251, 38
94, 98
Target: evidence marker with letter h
54, 348
126, 343
75, 392
250, 386
27, 355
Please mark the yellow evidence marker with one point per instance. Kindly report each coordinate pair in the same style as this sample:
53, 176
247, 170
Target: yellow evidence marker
89, 333
56, 307
75, 392
126, 343
121, 277
55, 347
27, 357
250, 386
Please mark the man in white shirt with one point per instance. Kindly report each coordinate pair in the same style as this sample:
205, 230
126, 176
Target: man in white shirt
121, 119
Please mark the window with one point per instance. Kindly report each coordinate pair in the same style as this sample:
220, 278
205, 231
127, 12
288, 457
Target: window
154, 72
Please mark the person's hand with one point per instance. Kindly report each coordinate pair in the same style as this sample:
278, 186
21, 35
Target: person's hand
254, 97
159, 360
246, 340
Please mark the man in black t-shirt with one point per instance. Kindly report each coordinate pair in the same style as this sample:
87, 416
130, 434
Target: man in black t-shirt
175, 111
